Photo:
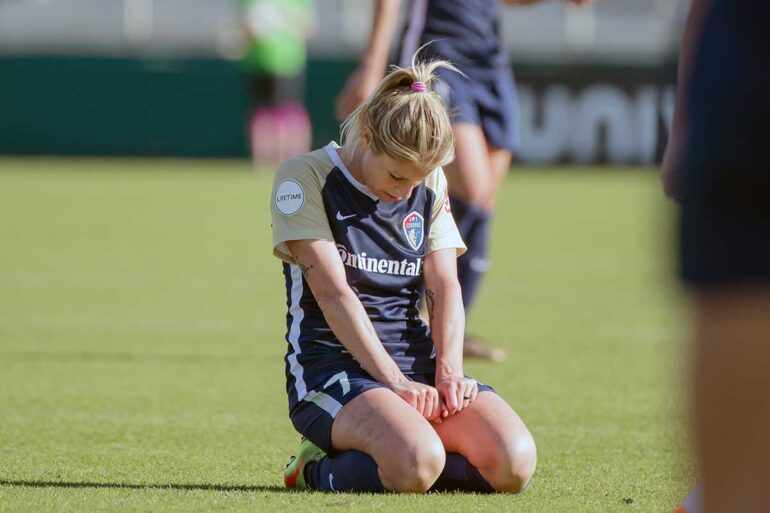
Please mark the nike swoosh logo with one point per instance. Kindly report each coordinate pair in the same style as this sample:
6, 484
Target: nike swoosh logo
340, 217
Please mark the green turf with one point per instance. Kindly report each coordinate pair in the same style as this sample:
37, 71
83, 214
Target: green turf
141, 342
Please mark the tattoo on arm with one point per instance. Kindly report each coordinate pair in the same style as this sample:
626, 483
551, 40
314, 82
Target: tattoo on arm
430, 298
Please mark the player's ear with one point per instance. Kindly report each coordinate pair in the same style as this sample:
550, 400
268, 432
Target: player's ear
366, 137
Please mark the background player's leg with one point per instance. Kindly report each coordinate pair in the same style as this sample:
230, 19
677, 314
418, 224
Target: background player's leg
470, 178
292, 129
468, 174
477, 238
262, 121
732, 399
404, 447
499, 165
494, 440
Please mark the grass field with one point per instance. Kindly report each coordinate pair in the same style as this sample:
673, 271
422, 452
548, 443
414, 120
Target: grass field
142, 324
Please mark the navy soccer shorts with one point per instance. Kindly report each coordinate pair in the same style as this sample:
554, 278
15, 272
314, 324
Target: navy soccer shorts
313, 416
486, 98
724, 187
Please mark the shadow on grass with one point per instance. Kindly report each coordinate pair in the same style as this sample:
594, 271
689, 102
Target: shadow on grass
148, 486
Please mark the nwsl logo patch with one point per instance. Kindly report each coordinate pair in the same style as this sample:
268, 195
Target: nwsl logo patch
414, 229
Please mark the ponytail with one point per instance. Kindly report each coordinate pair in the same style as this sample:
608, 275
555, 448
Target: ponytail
407, 118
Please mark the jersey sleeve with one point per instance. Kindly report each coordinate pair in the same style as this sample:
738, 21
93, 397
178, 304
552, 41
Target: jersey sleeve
297, 209
443, 230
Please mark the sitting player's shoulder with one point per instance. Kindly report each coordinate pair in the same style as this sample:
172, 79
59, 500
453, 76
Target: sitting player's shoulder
436, 180
307, 169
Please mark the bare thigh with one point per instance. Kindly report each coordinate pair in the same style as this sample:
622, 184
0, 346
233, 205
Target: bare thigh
408, 453
494, 439
468, 175
499, 164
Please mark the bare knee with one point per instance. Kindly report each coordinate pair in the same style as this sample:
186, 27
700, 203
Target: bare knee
510, 470
416, 467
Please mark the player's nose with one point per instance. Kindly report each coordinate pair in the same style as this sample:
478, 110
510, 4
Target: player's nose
404, 191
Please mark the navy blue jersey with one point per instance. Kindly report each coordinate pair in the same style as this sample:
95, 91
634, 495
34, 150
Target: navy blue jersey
466, 32
383, 248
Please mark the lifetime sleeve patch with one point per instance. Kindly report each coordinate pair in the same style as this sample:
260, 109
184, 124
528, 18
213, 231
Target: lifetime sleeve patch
289, 197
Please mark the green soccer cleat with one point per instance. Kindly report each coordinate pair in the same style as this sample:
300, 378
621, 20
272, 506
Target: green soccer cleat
294, 474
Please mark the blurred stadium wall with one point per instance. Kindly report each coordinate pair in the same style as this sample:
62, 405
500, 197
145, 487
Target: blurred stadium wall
161, 77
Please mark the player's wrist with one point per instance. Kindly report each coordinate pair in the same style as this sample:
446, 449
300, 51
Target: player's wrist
448, 370
394, 378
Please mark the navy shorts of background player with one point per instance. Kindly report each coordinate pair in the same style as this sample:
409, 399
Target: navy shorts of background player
382, 247
725, 174
467, 33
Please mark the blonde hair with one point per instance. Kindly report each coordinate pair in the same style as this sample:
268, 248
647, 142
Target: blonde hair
407, 123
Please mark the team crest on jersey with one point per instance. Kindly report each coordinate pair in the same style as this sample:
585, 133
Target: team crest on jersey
414, 229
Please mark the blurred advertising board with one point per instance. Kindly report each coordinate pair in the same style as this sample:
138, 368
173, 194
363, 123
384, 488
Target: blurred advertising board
108, 106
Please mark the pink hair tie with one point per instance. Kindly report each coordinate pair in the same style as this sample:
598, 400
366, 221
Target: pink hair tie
418, 87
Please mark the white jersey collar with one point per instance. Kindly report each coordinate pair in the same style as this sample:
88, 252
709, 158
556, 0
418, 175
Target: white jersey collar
331, 151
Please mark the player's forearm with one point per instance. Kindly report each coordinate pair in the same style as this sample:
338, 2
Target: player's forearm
447, 323
383, 27
347, 318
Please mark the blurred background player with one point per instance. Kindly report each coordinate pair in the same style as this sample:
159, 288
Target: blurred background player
717, 166
276, 33
483, 105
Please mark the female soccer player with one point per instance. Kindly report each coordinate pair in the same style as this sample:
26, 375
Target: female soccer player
363, 229
483, 105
